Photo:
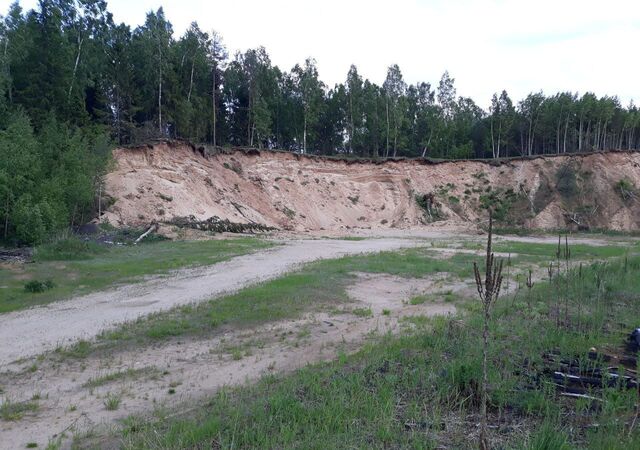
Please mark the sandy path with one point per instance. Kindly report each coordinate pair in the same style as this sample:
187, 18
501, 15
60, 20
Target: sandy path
34, 331
194, 369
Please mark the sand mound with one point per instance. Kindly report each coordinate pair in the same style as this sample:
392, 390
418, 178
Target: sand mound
293, 192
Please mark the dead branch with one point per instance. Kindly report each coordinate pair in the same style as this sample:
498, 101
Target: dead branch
151, 229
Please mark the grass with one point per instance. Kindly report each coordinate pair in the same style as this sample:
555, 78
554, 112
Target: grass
319, 286
420, 390
112, 401
128, 374
11, 411
78, 268
543, 253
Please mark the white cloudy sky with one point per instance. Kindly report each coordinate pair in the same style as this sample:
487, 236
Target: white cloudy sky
487, 45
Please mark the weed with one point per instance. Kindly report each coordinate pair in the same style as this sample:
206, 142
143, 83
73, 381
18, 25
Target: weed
11, 411
362, 312
626, 189
112, 402
37, 287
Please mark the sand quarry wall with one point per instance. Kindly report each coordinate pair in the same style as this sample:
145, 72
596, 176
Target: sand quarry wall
289, 191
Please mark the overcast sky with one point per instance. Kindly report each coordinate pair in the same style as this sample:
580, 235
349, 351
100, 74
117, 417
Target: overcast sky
487, 46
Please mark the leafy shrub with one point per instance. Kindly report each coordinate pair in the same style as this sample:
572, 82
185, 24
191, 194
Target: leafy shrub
431, 208
33, 221
566, 181
37, 287
500, 202
626, 189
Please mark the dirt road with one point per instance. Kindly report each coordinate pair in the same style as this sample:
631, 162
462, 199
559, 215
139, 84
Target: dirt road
34, 331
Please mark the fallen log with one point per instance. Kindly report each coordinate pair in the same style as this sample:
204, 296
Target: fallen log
146, 233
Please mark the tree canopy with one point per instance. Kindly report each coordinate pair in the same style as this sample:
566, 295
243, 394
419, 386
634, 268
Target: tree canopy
71, 80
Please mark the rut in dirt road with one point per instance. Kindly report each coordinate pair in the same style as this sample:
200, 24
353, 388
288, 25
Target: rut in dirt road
40, 329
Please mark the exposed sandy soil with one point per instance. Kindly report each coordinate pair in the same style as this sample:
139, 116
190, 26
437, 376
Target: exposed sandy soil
181, 371
36, 330
196, 368
289, 191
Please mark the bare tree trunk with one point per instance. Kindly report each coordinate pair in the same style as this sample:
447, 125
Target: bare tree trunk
424, 150
190, 82
386, 155
250, 113
304, 135
213, 101
530, 138
499, 139
493, 140
580, 130
75, 67
352, 126
395, 137
160, 89
566, 130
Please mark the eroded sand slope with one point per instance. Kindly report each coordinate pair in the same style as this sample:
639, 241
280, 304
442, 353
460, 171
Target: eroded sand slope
289, 191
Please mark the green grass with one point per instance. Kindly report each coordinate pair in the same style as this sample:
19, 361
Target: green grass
112, 402
319, 286
420, 390
10, 411
548, 251
74, 268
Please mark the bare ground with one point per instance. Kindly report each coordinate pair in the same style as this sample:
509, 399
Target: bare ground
179, 372
36, 330
306, 193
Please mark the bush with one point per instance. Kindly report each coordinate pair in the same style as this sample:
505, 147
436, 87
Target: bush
37, 287
68, 249
33, 221
566, 181
626, 189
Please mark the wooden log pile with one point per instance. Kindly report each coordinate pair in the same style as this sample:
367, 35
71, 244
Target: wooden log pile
218, 225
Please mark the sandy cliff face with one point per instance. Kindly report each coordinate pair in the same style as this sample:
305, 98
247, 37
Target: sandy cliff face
288, 191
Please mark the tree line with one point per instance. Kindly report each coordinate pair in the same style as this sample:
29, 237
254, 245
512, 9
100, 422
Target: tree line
69, 74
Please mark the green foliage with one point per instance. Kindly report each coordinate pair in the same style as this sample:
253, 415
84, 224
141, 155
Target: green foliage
11, 411
499, 201
72, 61
47, 179
566, 181
626, 189
420, 389
77, 267
431, 208
112, 401
36, 287
68, 249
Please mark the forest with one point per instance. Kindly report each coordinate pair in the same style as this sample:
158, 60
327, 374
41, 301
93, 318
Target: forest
75, 83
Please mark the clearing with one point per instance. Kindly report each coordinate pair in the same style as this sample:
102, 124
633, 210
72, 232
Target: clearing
234, 322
